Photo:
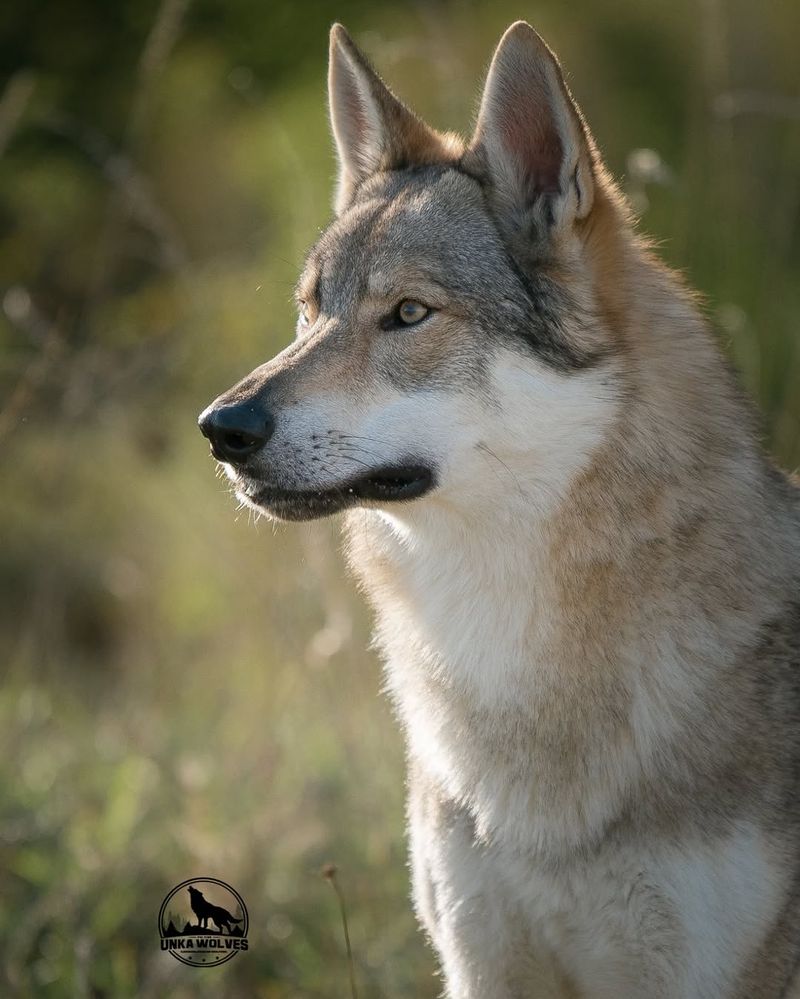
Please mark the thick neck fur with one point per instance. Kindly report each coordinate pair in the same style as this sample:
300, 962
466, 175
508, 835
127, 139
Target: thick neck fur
574, 645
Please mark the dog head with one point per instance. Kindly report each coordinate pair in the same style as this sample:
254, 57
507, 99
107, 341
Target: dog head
195, 894
451, 335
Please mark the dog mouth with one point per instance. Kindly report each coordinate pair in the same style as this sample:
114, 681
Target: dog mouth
390, 484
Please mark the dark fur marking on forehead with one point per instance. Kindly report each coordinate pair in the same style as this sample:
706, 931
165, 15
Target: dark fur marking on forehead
407, 171
546, 301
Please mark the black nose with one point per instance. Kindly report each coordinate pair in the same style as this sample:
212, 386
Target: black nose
236, 431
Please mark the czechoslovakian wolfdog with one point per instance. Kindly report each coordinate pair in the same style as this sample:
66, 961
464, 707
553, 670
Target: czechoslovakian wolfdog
585, 571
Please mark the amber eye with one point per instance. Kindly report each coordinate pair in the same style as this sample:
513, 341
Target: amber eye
409, 312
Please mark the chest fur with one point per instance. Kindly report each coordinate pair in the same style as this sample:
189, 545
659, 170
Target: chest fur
500, 702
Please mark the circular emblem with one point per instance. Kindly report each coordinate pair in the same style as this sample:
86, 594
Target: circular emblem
203, 922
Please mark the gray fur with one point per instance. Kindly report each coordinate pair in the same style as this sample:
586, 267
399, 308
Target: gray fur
590, 621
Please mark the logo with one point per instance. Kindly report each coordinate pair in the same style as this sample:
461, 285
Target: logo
203, 922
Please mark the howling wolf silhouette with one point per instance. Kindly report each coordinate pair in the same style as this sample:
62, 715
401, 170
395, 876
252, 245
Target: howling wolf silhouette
205, 910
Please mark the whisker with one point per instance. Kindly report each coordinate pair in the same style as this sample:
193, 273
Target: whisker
361, 437
485, 448
347, 450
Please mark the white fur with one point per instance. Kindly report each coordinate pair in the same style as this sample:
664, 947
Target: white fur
587, 623
466, 626
469, 621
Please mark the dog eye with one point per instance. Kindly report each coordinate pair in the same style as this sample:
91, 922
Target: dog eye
409, 312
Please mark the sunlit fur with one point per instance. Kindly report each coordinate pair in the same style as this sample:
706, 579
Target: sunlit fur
591, 625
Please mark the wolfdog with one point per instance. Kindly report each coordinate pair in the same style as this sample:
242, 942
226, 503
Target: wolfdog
585, 571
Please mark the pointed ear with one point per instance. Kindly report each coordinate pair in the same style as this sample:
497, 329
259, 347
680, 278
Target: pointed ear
530, 139
372, 129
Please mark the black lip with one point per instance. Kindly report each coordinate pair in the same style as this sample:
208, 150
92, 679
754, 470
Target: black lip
391, 484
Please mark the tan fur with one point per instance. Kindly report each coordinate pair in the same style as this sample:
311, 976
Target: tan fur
658, 536
591, 621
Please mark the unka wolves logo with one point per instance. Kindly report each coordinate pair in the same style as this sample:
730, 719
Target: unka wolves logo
203, 922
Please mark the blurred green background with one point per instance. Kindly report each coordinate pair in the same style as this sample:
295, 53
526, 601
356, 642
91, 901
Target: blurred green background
186, 693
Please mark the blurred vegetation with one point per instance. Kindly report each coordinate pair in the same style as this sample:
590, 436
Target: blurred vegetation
184, 694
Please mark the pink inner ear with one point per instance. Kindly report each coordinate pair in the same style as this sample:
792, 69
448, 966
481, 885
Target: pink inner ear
529, 134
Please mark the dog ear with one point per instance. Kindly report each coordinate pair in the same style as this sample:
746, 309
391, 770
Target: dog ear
530, 141
372, 129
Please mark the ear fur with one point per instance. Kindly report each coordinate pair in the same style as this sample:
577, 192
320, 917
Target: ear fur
372, 129
530, 139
